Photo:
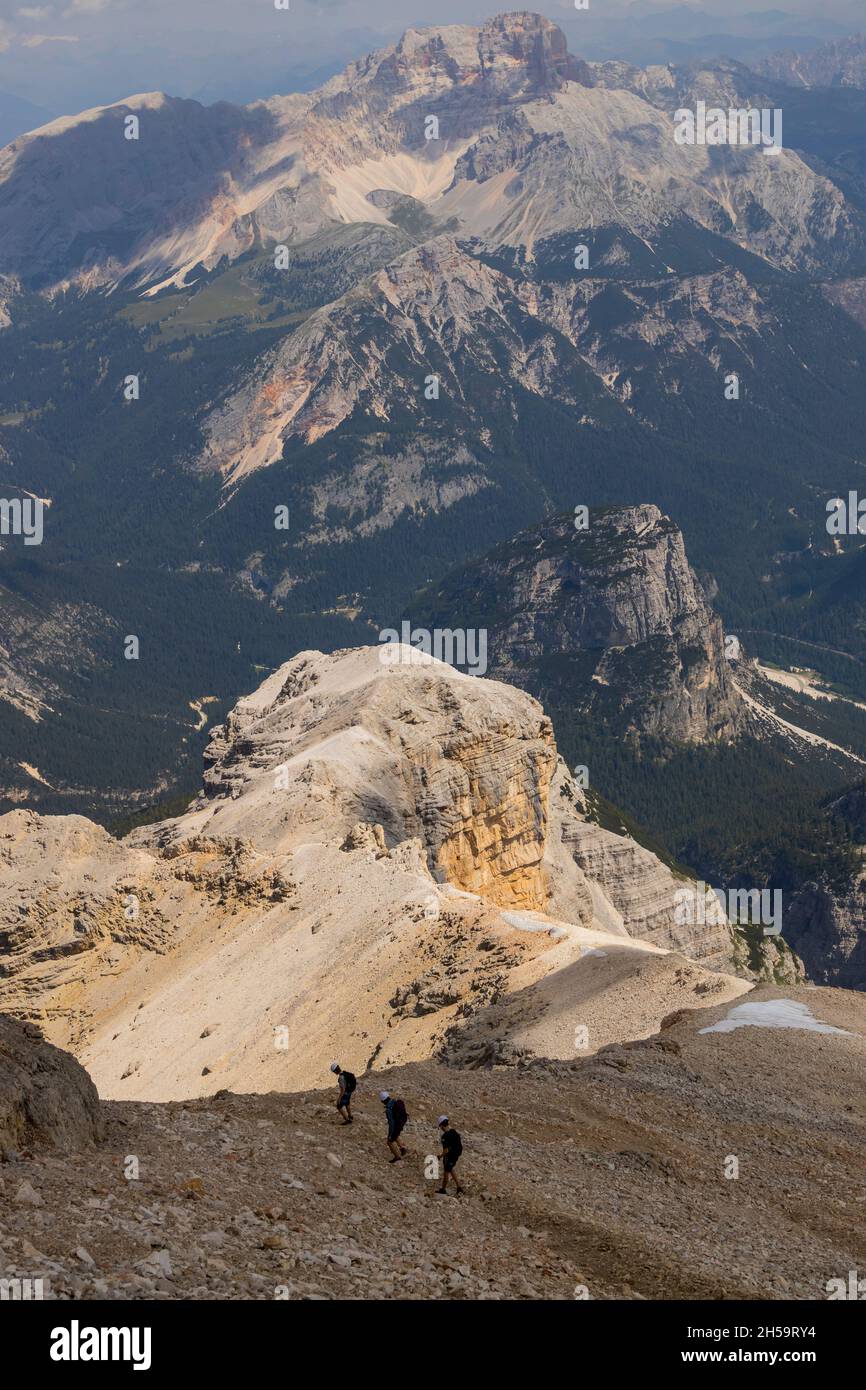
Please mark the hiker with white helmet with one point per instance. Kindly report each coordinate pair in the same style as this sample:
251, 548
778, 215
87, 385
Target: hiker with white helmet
452, 1148
347, 1083
395, 1112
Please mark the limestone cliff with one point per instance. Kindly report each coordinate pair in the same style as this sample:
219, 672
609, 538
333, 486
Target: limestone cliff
612, 618
463, 765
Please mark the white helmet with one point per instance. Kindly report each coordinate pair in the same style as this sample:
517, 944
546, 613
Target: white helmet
443, 1120
383, 1095
335, 1066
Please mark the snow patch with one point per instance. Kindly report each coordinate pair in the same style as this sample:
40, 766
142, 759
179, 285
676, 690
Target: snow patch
528, 921
773, 1013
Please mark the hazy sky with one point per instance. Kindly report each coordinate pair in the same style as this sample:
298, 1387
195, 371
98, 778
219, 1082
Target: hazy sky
65, 55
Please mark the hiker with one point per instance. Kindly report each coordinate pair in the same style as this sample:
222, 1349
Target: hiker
347, 1083
395, 1111
452, 1148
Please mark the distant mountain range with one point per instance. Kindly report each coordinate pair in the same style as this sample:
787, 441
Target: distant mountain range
841, 63
650, 33
528, 143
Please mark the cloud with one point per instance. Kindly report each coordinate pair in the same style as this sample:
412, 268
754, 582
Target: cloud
37, 40
35, 12
86, 7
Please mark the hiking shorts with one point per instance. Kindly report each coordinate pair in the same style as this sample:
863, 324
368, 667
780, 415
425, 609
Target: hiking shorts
394, 1134
449, 1162
345, 1099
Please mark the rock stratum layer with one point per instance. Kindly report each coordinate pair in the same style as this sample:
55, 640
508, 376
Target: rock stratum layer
381, 852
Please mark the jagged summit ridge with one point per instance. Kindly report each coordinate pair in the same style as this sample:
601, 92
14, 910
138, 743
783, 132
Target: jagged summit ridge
509, 55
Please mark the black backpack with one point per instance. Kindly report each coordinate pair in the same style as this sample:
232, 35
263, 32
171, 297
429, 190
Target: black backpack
455, 1148
349, 1082
399, 1112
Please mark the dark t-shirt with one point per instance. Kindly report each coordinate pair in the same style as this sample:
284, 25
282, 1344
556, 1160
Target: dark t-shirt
395, 1118
451, 1143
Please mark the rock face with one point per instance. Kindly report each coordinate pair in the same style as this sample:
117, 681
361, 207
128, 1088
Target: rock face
631, 879
616, 609
827, 929
825, 923
463, 766
584, 344
382, 851
46, 1098
467, 767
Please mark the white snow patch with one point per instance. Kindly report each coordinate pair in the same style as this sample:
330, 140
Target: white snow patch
773, 1013
526, 921
538, 922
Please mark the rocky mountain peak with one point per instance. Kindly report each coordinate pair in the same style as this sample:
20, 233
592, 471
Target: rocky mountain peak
534, 43
839, 63
621, 604
511, 103
516, 50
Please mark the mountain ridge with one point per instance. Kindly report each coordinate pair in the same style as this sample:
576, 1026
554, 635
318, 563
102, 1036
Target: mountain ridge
274, 171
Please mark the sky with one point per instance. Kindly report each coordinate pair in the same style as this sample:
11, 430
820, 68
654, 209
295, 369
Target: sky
63, 56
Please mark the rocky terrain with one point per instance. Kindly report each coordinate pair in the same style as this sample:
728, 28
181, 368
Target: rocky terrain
826, 926
606, 1178
613, 614
381, 853
46, 1098
441, 309
390, 864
